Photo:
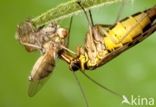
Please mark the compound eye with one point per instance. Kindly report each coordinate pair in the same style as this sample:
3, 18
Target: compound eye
63, 33
75, 65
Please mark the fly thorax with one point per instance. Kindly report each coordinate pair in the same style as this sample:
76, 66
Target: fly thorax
33, 39
45, 34
57, 39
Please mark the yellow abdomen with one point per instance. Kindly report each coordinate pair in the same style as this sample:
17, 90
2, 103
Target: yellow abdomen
124, 31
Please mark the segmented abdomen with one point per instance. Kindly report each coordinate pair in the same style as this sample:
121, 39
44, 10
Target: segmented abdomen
126, 30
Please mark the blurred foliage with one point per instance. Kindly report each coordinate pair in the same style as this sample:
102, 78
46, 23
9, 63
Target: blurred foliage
132, 73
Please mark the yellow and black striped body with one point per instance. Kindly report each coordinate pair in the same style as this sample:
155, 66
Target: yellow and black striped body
104, 43
126, 30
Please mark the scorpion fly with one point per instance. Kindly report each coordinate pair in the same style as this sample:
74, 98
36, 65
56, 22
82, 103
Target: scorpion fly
103, 42
49, 40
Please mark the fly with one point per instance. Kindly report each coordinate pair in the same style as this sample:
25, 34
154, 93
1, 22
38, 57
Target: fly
49, 40
103, 42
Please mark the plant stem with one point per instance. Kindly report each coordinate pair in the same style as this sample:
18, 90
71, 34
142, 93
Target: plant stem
66, 10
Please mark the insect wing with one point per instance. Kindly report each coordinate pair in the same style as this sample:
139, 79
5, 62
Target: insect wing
41, 71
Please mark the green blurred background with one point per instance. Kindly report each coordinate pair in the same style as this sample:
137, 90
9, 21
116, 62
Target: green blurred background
132, 73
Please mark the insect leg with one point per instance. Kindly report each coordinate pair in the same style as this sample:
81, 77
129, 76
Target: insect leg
31, 45
67, 50
65, 54
89, 19
81, 89
70, 26
119, 13
102, 86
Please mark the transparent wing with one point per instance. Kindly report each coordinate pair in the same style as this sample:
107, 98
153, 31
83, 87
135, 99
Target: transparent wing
41, 71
